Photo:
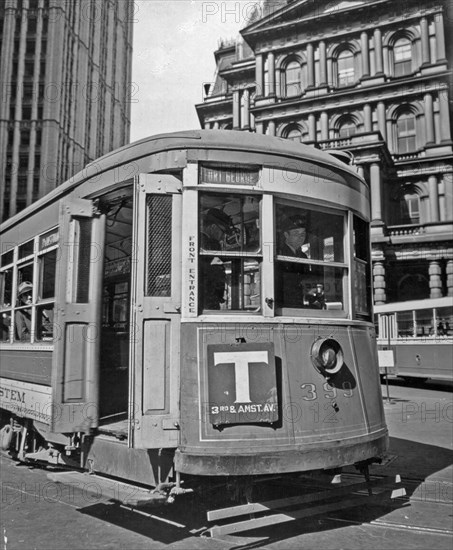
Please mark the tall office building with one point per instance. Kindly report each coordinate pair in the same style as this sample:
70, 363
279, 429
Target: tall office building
65, 77
373, 78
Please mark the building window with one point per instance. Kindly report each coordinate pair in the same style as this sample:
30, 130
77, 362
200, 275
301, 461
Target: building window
410, 209
345, 68
266, 77
346, 129
402, 57
294, 135
292, 79
293, 132
405, 131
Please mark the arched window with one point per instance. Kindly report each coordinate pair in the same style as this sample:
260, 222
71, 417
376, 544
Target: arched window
294, 134
345, 68
347, 128
402, 57
292, 79
405, 133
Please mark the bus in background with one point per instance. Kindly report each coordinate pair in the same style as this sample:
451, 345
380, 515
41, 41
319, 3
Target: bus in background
420, 334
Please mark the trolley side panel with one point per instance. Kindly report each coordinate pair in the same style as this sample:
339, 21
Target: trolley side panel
32, 366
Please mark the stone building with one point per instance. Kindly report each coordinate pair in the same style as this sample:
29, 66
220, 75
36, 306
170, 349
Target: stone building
65, 77
373, 78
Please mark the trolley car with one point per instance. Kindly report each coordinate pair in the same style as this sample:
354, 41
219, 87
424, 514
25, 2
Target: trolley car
420, 335
167, 331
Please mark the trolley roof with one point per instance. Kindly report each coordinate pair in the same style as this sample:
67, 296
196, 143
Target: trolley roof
192, 139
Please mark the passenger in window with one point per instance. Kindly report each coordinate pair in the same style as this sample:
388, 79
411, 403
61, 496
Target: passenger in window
23, 316
292, 237
289, 284
216, 226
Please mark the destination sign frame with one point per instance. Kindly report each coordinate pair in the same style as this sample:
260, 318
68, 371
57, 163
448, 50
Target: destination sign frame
229, 175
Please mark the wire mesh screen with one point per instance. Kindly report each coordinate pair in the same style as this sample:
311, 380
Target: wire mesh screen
158, 279
84, 260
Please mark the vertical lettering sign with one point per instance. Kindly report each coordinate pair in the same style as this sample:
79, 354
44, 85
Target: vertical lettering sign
242, 384
191, 279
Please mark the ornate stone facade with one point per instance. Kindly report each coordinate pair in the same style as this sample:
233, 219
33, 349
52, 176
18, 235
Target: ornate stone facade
372, 78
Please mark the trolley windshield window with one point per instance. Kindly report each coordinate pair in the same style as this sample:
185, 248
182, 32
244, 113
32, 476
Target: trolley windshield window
230, 252
310, 263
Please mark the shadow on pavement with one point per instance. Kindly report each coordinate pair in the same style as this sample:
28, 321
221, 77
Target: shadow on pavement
418, 465
158, 524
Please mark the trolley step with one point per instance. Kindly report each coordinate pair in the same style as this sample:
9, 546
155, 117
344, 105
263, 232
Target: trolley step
384, 488
109, 489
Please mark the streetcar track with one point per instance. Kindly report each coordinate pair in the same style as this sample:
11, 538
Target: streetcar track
391, 525
423, 529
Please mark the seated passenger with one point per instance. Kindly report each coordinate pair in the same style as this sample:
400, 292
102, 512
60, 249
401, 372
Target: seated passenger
23, 316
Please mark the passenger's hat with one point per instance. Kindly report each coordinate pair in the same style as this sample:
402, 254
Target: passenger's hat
25, 286
294, 222
216, 216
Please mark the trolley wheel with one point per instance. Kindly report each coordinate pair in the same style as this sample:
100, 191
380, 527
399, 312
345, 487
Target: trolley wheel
6, 436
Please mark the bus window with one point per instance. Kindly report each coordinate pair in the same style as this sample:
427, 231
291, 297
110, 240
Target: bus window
230, 252
310, 265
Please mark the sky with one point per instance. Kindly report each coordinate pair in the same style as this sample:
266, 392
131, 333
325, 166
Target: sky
173, 56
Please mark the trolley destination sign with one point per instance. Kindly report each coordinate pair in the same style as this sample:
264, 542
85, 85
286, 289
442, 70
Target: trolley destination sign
229, 175
242, 384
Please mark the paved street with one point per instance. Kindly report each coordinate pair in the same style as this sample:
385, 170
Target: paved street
39, 514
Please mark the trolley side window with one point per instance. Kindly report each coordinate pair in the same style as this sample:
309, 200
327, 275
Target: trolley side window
362, 269
424, 323
230, 252
28, 291
6, 295
310, 263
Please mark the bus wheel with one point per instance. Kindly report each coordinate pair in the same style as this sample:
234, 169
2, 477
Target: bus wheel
6, 436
